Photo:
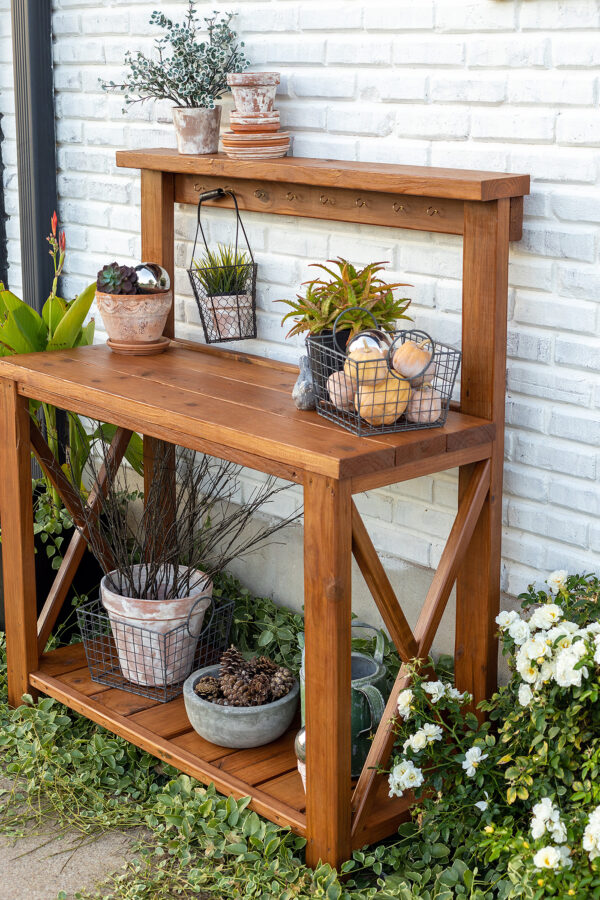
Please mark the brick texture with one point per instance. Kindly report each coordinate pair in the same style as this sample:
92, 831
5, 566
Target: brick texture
487, 84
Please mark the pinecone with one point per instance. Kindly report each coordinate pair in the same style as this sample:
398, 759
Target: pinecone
282, 682
241, 693
264, 666
208, 688
232, 662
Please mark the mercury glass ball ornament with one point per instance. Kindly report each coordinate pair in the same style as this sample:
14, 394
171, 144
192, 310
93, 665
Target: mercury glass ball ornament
373, 338
152, 278
300, 745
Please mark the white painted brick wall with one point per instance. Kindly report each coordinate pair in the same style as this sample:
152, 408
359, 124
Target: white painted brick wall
488, 84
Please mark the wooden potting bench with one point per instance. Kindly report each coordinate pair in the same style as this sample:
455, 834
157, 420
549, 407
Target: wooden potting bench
238, 407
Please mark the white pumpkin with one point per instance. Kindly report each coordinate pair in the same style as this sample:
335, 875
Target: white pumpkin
340, 389
424, 406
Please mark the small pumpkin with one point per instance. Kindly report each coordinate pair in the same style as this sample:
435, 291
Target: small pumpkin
414, 361
340, 389
374, 337
382, 403
424, 406
366, 364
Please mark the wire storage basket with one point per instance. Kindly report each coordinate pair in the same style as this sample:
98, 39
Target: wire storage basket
225, 294
389, 381
122, 655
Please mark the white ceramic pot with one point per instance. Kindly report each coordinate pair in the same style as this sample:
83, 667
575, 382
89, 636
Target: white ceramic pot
156, 639
134, 318
231, 314
197, 130
253, 92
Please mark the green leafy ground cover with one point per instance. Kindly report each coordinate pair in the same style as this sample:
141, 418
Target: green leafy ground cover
69, 772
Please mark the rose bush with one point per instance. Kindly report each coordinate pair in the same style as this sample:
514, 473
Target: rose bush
509, 808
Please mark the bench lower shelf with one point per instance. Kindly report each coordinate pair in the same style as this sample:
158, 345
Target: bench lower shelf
266, 774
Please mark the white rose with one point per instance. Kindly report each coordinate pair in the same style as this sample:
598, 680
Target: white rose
557, 581
565, 857
597, 650
453, 693
566, 675
432, 732
591, 841
594, 628
473, 758
482, 805
557, 830
506, 617
417, 741
546, 616
405, 699
435, 689
535, 647
413, 778
525, 695
519, 631
397, 778
538, 828
544, 809
547, 858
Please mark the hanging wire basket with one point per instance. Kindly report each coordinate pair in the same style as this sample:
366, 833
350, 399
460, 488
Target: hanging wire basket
370, 396
225, 294
122, 655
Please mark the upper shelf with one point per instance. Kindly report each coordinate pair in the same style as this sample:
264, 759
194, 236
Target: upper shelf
419, 181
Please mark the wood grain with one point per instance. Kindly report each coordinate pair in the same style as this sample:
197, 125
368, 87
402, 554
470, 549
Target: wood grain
327, 611
16, 511
485, 287
424, 181
157, 217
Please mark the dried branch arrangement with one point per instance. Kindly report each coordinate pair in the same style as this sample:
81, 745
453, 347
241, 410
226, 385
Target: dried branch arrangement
192, 520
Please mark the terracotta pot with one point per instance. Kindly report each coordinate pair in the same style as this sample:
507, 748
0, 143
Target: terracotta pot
197, 130
134, 318
253, 92
231, 314
156, 639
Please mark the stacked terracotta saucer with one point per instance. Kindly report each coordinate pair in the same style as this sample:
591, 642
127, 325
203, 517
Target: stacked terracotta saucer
254, 122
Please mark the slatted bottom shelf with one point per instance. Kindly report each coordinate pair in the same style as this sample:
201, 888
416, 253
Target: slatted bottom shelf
267, 774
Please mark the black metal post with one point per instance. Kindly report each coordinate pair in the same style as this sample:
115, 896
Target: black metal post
3, 245
34, 112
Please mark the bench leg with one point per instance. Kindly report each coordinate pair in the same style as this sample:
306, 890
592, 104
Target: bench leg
327, 593
16, 509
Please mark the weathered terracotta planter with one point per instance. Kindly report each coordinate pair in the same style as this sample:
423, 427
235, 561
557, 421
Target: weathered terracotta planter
253, 92
231, 314
152, 647
197, 130
134, 318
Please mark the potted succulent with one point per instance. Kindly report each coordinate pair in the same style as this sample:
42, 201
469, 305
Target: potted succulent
226, 278
361, 295
190, 72
134, 303
241, 702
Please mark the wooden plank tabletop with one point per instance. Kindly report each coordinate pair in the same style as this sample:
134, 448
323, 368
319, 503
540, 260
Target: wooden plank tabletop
421, 181
227, 400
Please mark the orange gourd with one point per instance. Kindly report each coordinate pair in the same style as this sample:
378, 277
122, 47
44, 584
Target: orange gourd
366, 364
413, 361
382, 403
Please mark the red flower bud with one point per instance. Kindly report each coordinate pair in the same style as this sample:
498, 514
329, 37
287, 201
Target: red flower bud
62, 241
54, 222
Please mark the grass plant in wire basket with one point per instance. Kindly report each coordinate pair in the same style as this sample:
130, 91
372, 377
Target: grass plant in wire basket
141, 661
224, 282
385, 381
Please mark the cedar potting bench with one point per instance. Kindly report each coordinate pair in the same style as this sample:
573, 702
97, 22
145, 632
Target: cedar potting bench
238, 407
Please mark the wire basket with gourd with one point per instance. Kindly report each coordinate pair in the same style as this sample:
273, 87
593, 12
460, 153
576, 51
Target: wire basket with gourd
384, 381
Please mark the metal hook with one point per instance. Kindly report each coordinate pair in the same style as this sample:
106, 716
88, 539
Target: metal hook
325, 200
261, 195
397, 207
199, 187
291, 196
360, 202
432, 211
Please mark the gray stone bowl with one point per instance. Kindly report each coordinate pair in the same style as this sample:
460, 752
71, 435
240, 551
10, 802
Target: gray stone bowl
237, 726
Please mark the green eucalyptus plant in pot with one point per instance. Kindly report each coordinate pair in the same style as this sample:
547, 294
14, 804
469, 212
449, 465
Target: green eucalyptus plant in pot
189, 71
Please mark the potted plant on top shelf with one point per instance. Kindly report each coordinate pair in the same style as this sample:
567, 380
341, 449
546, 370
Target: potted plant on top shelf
193, 75
361, 295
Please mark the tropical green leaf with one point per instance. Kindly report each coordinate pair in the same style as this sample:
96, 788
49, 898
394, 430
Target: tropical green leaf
52, 312
71, 324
